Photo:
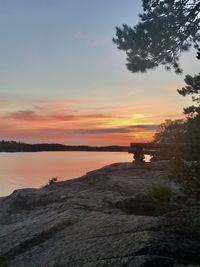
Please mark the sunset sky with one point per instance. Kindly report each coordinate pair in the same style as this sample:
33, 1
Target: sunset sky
62, 80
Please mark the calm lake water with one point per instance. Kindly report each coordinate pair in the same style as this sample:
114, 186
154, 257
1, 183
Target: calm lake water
22, 170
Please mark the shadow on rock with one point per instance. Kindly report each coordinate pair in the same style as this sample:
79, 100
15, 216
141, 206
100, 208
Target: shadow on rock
144, 205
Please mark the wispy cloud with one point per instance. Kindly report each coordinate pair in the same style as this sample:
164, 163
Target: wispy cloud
23, 115
150, 127
67, 121
128, 129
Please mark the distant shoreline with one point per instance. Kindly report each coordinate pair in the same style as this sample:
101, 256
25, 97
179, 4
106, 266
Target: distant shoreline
13, 146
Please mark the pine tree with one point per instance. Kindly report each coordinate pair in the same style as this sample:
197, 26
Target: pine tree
165, 30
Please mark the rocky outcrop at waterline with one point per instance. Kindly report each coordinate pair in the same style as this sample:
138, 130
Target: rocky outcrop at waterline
121, 215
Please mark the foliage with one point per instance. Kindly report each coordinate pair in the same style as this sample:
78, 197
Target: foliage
53, 180
12, 146
188, 130
166, 29
192, 88
188, 175
161, 193
171, 132
198, 54
186, 133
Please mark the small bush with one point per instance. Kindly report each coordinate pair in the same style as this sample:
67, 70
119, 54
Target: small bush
161, 193
53, 180
187, 175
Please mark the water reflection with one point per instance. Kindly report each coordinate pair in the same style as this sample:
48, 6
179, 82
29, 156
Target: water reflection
21, 170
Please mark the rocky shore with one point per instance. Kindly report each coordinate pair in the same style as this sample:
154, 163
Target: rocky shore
109, 217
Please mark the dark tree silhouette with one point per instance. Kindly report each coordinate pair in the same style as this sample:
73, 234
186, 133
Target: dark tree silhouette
198, 54
192, 88
166, 29
188, 130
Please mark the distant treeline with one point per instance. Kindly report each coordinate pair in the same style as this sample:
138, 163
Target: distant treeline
12, 146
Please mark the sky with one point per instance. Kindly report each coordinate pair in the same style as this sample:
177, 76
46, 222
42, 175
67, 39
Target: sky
63, 80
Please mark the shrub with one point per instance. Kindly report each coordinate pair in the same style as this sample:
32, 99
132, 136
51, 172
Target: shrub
187, 174
161, 193
53, 180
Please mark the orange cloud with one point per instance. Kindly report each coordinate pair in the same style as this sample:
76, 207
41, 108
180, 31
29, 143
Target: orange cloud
61, 121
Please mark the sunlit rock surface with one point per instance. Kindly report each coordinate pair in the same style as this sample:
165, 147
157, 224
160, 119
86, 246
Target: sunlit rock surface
105, 218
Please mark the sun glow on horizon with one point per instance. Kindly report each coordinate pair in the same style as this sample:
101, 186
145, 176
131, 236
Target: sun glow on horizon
63, 80
66, 121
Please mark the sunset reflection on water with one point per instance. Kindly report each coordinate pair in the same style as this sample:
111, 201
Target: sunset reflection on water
25, 170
